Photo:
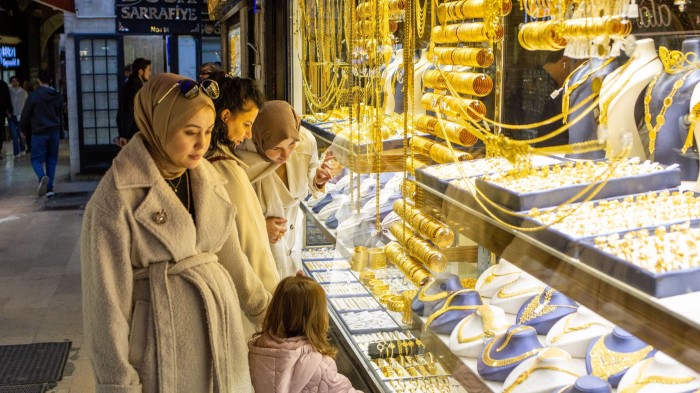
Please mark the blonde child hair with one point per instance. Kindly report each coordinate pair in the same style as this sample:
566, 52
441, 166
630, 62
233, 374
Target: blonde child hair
299, 308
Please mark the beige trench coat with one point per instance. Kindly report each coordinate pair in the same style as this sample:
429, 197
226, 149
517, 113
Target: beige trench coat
162, 312
276, 200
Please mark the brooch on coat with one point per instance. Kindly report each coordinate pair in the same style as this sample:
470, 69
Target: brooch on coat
160, 217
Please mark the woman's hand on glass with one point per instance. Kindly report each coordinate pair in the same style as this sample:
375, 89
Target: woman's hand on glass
323, 172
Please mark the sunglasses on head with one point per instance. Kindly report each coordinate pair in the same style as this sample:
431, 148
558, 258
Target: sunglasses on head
190, 89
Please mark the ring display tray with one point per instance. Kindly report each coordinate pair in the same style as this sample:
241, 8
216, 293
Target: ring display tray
659, 285
669, 177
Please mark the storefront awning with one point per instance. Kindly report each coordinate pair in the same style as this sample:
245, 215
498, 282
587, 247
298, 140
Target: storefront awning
65, 5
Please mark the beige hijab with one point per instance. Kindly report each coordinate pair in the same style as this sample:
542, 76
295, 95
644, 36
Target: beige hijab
159, 122
276, 122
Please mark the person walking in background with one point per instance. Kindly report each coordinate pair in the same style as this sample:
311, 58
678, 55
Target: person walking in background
140, 72
18, 96
292, 353
42, 116
5, 110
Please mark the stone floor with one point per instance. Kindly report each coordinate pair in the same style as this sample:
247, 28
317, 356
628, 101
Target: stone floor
40, 295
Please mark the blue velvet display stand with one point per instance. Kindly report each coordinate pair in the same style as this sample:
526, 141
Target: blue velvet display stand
459, 307
586, 128
619, 341
586, 384
542, 323
520, 342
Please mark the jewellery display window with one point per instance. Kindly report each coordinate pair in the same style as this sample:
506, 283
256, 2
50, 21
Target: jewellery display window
578, 311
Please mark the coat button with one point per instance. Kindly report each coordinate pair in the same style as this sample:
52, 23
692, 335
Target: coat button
291, 227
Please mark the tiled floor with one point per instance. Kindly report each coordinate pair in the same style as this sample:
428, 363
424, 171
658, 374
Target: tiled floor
40, 299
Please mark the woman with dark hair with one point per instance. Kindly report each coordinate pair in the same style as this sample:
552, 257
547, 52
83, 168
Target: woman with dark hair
236, 109
164, 280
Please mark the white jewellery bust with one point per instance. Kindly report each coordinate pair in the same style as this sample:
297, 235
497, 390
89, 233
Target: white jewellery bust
627, 83
659, 374
550, 369
470, 335
495, 277
574, 332
511, 296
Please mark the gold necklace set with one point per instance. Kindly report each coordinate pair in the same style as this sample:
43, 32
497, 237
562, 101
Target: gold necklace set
606, 362
536, 308
489, 279
667, 102
491, 362
641, 381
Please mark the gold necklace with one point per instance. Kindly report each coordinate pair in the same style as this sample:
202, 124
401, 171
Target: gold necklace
605, 362
523, 377
535, 309
487, 323
423, 297
693, 117
640, 382
604, 106
493, 276
173, 186
446, 307
667, 102
489, 361
502, 294
567, 329
568, 91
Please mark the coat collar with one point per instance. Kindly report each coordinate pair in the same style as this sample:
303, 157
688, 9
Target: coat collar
134, 168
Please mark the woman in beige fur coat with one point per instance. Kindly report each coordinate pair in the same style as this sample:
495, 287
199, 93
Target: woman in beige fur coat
164, 280
283, 167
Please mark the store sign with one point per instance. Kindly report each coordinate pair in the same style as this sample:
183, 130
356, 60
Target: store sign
159, 16
665, 16
8, 56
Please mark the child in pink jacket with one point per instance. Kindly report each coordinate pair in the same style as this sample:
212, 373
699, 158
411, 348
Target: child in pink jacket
292, 354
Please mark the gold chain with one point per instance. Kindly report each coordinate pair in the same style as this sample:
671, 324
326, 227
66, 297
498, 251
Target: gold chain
487, 323
605, 362
605, 104
640, 382
175, 186
569, 90
568, 329
668, 101
523, 377
493, 276
446, 307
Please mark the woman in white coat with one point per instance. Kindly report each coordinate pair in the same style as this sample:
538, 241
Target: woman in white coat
163, 277
283, 168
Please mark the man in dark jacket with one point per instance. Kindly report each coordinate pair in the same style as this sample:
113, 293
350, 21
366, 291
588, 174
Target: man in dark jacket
43, 117
140, 72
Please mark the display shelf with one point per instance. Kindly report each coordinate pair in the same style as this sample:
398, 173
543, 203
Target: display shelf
672, 324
